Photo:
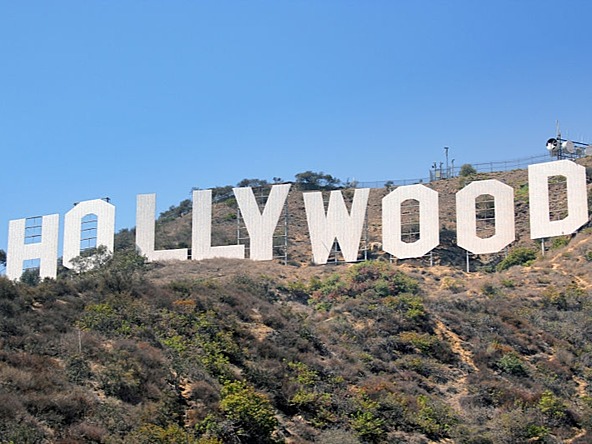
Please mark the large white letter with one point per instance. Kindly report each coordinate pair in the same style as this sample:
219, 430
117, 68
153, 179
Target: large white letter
105, 213
336, 224
201, 231
46, 250
429, 236
466, 217
261, 226
577, 202
145, 213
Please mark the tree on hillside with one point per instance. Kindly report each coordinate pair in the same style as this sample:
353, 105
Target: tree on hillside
467, 170
310, 180
176, 211
253, 183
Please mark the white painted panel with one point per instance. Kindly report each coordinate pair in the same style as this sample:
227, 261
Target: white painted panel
201, 230
541, 224
261, 226
46, 250
429, 235
466, 217
105, 213
337, 223
145, 225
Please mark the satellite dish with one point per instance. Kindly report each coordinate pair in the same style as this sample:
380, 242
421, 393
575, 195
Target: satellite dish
568, 147
589, 150
552, 145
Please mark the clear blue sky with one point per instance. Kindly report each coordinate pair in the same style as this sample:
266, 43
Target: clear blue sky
103, 98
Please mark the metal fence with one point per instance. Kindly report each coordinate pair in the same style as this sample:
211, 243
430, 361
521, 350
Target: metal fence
508, 165
453, 171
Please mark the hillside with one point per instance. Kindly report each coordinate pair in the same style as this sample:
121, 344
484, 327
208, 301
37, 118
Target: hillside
176, 232
225, 351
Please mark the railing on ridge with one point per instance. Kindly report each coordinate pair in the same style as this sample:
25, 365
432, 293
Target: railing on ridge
453, 171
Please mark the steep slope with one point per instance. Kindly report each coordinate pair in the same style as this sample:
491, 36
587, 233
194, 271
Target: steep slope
177, 232
244, 352
220, 352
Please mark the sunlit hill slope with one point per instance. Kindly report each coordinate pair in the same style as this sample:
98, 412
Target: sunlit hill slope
230, 351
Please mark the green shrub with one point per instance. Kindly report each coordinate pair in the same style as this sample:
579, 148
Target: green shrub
100, 317
412, 308
467, 170
368, 280
122, 379
508, 283
435, 419
517, 256
519, 425
552, 406
78, 369
297, 289
91, 259
512, 364
552, 296
489, 289
522, 192
31, 277
251, 411
424, 343
368, 425
560, 242
536, 433
454, 285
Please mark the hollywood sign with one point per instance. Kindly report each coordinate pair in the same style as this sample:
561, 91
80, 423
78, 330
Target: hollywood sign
324, 225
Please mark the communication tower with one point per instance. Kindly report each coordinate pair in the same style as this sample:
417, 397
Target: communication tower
561, 148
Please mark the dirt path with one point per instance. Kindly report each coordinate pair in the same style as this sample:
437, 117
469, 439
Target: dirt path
581, 388
555, 260
580, 434
573, 246
459, 385
456, 343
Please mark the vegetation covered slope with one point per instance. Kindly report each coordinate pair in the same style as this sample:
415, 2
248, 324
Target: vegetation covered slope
173, 229
371, 353
224, 351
